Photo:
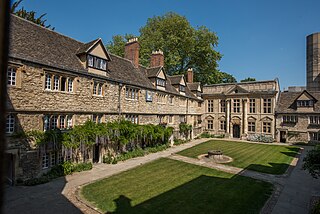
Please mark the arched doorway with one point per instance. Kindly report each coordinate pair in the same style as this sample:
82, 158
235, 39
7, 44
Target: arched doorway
236, 131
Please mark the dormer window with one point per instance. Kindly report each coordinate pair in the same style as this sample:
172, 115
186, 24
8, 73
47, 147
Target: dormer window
161, 82
97, 62
304, 103
182, 88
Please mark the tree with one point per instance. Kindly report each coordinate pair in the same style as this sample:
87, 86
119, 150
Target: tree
29, 15
249, 79
183, 46
312, 162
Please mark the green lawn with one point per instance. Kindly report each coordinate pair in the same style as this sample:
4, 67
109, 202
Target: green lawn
169, 186
258, 157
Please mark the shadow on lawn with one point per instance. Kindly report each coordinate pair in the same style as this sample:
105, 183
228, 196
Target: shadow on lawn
274, 168
204, 194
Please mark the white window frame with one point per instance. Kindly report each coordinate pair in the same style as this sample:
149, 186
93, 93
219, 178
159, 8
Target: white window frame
54, 122
10, 123
56, 83
48, 82
70, 85
45, 160
12, 76
62, 122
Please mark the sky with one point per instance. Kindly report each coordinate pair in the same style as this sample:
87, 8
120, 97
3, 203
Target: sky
264, 39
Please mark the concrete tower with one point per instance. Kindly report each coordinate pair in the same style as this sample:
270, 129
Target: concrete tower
313, 62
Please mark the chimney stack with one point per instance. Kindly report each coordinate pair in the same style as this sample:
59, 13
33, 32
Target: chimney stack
131, 51
190, 75
157, 59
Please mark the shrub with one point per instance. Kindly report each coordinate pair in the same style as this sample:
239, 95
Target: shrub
312, 162
67, 167
82, 167
36, 181
179, 142
316, 208
205, 135
139, 152
260, 138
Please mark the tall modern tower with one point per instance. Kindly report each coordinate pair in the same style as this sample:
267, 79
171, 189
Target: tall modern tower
313, 62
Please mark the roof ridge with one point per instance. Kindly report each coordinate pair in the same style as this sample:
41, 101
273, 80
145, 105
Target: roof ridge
239, 83
30, 22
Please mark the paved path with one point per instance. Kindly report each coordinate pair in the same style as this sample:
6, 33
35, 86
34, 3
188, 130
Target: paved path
229, 169
59, 196
298, 189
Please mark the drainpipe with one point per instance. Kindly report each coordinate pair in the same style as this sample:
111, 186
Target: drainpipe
119, 100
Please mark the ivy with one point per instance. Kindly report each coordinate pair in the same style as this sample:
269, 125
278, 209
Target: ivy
185, 129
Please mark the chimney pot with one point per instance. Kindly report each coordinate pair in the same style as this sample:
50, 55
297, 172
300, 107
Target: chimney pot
190, 75
131, 51
157, 59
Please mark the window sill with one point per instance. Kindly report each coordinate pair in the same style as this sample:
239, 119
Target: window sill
131, 99
57, 91
95, 95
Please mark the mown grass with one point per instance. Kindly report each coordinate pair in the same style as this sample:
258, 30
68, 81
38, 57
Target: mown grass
170, 186
270, 159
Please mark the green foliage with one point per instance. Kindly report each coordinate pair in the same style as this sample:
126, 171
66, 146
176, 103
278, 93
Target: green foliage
63, 169
179, 142
40, 137
260, 138
139, 152
185, 129
207, 135
312, 162
36, 181
82, 167
249, 79
67, 167
316, 208
183, 46
29, 15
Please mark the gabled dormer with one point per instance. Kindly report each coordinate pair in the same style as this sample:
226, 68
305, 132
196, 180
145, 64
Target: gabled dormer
179, 83
158, 77
195, 88
94, 57
237, 90
305, 101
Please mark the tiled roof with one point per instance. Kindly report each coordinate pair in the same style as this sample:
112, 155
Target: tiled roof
175, 80
37, 44
193, 86
153, 72
31, 42
286, 102
86, 47
123, 70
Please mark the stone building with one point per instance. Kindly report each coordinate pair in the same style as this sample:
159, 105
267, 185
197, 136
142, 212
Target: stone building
298, 108
238, 110
57, 82
298, 116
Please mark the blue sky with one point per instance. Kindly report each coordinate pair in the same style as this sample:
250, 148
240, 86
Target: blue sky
264, 39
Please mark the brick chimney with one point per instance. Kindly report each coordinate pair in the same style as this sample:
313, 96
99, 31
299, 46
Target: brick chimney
131, 51
157, 59
190, 75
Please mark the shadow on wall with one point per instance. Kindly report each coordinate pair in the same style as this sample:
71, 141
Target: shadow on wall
204, 194
44, 198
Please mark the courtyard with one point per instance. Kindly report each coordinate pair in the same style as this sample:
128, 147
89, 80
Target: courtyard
158, 183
